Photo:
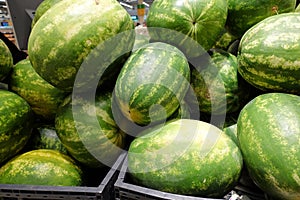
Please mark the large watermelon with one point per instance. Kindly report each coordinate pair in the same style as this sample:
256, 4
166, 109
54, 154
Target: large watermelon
187, 157
152, 83
269, 54
268, 131
88, 131
90, 35
15, 124
43, 98
41, 167
242, 14
200, 20
6, 60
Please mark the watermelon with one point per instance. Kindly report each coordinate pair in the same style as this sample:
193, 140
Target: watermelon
41, 167
242, 15
88, 131
269, 54
6, 60
144, 91
231, 131
297, 8
187, 157
45, 137
199, 20
224, 41
218, 87
42, 8
15, 124
43, 97
268, 130
93, 36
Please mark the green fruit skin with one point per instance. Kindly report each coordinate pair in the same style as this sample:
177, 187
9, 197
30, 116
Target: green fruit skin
42, 8
74, 33
88, 130
41, 167
15, 124
187, 157
144, 82
45, 137
43, 98
200, 20
242, 15
6, 61
268, 54
218, 87
268, 130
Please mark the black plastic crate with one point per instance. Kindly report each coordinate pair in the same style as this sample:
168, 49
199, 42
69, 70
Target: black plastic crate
125, 189
104, 189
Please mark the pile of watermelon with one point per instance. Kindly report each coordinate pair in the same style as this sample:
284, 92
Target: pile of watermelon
208, 90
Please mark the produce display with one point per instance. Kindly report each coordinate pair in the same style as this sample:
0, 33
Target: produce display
201, 98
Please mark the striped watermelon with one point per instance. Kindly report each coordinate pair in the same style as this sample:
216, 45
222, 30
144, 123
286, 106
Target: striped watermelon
268, 131
6, 60
143, 90
43, 98
15, 124
187, 157
45, 137
88, 131
269, 54
218, 87
200, 20
242, 14
75, 33
41, 167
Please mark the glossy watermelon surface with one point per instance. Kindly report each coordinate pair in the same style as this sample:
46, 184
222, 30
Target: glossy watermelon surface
268, 131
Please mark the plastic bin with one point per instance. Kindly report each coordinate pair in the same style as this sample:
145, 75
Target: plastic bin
125, 189
104, 190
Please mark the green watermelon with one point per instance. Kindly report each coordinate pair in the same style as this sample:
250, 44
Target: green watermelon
199, 20
224, 41
297, 8
44, 6
185, 156
268, 131
45, 137
143, 90
15, 124
6, 60
93, 36
269, 54
242, 14
231, 131
43, 98
218, 87
88, 131
41, 167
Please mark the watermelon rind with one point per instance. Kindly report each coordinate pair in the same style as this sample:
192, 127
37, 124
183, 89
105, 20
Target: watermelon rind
268, 130
186, 157
268, 54
41, 167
